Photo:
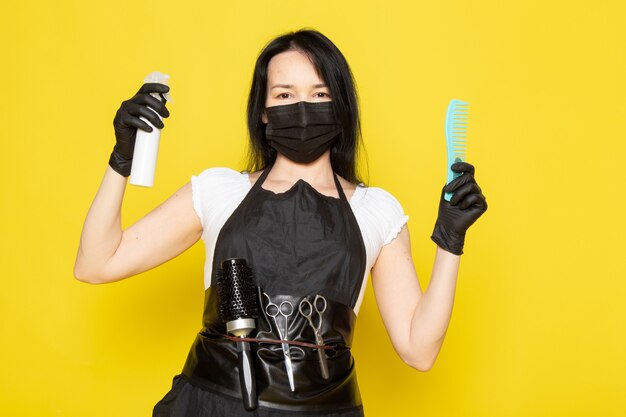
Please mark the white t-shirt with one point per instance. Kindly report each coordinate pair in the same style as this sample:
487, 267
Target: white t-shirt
218, 191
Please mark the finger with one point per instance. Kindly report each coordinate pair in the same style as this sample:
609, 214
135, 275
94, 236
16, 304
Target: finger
480, 190
151, 116
137, 110
470, 200
153, 88
131, 107
129, 120
462, 191
153, 103
458, 182
462, 167
481, 203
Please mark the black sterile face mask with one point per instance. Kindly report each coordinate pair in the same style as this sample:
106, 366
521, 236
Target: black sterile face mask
301, 131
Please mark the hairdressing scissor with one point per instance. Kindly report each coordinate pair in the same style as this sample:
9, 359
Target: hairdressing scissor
306, 309
273, 311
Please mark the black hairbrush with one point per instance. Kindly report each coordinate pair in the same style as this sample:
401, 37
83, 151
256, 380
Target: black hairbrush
237, 298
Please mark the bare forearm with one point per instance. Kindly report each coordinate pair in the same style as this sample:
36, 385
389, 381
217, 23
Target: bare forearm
433, 312
102, 230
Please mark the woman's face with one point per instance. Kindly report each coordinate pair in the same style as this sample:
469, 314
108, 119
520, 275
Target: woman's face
291, 77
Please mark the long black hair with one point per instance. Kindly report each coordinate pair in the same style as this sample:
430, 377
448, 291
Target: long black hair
333, 69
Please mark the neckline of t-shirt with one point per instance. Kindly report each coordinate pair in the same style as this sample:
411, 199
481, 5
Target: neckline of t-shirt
356, 194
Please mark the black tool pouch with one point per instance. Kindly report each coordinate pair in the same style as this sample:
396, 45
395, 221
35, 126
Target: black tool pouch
212, 362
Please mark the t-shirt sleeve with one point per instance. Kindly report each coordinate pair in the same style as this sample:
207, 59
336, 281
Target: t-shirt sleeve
213, 190
395, 217
382, 215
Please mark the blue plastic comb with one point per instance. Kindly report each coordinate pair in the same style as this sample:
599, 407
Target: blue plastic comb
456, 137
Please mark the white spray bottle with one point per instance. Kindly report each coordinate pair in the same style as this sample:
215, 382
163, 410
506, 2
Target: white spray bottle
147, 143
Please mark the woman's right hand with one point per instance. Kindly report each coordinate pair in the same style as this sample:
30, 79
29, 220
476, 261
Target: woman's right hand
127, 121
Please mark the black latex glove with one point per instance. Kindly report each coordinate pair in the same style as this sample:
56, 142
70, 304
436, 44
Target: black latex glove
126, 123
464, 208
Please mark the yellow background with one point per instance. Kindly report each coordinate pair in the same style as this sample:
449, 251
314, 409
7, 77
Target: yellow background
538, 327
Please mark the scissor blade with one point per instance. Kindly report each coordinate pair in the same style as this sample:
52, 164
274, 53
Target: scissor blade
323, 363
321, 354
288, 365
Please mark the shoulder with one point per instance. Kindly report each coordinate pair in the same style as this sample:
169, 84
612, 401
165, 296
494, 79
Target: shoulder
375, 198
220, 179
218, 174
379, 211
216, 190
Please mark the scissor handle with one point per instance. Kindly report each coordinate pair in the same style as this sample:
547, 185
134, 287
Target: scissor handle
271, 305
308, 304
271, 310
283, 312
319, 310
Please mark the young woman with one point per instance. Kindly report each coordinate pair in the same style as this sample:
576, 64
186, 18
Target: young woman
307, 226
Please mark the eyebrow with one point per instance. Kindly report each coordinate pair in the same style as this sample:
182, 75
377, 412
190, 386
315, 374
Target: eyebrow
291, 86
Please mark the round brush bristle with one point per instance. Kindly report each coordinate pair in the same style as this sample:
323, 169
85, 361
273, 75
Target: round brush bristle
236, 290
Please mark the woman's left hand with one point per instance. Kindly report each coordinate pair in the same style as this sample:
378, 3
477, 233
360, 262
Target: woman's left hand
464, 208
